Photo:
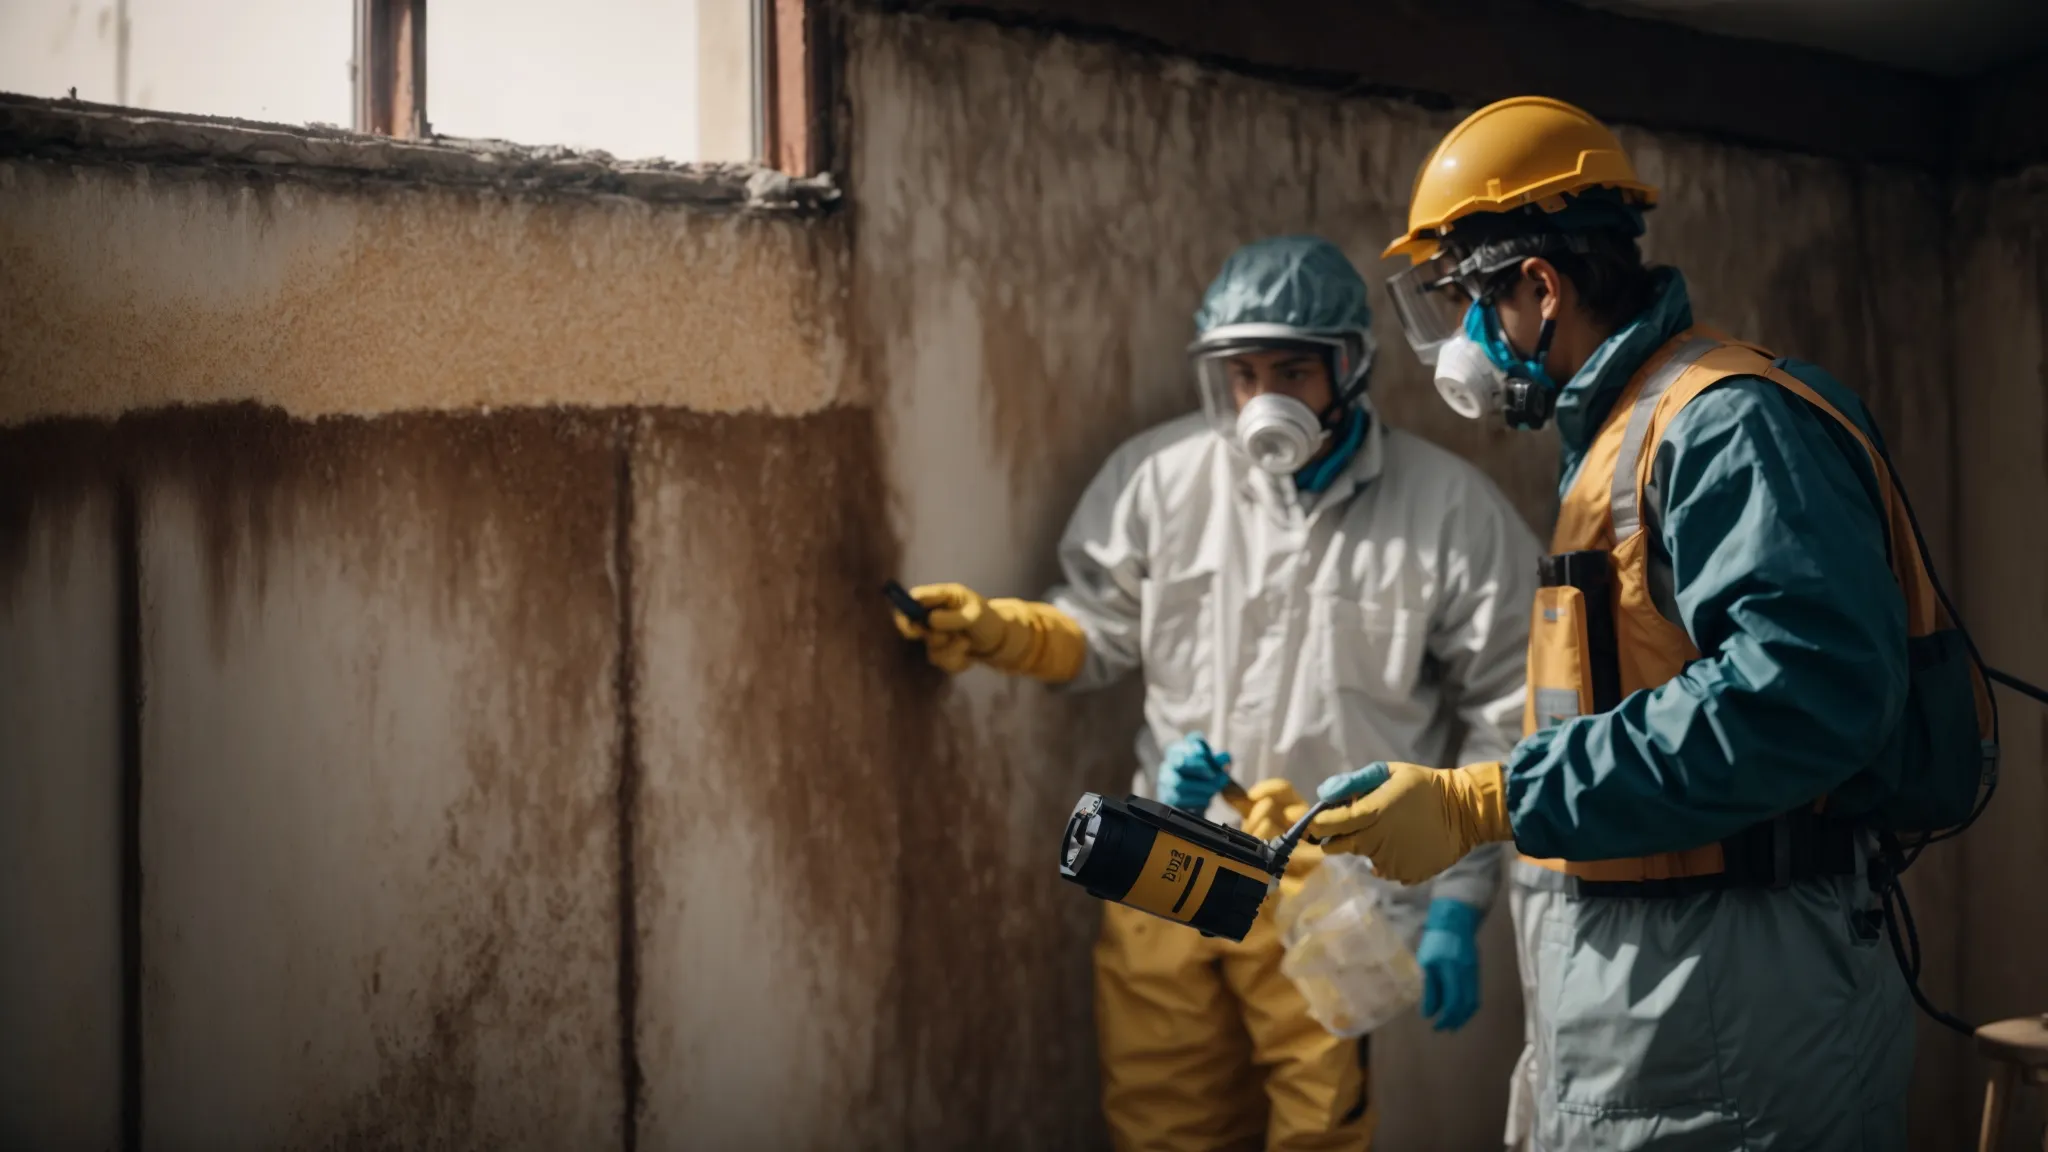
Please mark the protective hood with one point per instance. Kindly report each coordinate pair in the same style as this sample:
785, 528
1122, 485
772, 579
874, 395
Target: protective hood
1297, 293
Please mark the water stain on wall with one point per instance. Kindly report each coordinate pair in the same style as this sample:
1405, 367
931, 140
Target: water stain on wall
878, 781
994, 986
763, 540
45, 479
913, 837
497, 532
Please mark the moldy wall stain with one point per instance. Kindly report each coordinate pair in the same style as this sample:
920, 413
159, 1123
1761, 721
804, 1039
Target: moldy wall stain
377, 813
377, 817
828, 846
380, 739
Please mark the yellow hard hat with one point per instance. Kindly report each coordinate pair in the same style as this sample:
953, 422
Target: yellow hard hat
1528, 150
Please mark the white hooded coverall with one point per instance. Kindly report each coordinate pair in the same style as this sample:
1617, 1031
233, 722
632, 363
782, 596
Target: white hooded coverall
1305, 634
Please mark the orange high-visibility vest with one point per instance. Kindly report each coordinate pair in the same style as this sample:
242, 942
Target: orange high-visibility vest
1602, 513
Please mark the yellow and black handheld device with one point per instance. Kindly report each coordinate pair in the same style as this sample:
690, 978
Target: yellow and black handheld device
1161, 860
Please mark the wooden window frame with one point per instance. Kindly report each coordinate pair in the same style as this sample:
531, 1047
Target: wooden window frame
789, 112
788, 87
391, 68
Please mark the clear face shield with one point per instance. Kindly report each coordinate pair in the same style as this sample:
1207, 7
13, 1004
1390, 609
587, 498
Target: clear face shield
1431, 303
1277, 431
1432, 298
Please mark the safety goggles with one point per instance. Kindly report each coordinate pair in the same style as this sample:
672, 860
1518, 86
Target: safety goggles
1432, 297
1347, 355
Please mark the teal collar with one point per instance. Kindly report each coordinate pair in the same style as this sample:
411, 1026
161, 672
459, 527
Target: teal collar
1319, 475
1590, 394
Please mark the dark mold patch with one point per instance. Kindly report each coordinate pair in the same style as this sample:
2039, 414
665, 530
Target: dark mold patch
879, 792
625, 687
916, 842
504, 527
426, 1094
816, 717
531, 484
993, 988
253, 475
127, 531
48, 475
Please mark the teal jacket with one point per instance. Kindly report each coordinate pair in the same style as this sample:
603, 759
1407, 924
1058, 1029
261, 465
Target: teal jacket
1767, 513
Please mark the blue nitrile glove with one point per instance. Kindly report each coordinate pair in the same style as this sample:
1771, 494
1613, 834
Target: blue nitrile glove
1351, 785
1192, 774
1449, 955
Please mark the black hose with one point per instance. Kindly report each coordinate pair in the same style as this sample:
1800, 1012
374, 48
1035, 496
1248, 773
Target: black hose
1284, 846
1955, 617
1898, 916
1890, 886
2016, 684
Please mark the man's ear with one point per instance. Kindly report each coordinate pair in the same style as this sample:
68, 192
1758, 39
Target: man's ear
1550, 285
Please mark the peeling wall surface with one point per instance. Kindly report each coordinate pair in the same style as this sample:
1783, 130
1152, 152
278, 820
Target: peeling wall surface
524, 758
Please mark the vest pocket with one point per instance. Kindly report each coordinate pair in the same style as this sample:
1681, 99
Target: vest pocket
1560, 660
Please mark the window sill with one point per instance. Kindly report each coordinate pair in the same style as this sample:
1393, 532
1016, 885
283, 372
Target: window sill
78, 132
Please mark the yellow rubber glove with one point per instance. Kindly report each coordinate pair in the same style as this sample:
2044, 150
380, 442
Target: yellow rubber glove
1273, 808
1019, 636
1413, 822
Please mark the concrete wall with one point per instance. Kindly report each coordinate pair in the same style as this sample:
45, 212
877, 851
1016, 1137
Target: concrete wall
387, 782
2001, 351
60, 851
379, 786
524, 757
154, 286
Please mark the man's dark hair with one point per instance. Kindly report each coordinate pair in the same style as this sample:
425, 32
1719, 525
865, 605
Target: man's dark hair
1605, 265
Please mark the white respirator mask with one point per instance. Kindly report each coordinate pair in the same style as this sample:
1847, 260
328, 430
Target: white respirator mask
1279, 433
1471, 384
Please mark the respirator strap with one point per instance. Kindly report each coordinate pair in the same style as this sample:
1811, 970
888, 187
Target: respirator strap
1532, 394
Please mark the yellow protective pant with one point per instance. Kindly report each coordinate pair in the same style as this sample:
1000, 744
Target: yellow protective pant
1206, 1046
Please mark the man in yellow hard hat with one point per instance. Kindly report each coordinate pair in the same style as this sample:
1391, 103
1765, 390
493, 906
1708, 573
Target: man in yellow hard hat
1745, 688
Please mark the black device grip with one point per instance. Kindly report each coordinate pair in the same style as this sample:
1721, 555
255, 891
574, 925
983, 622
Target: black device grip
904, 602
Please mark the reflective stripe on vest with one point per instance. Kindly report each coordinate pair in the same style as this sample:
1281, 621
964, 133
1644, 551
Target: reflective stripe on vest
1603, 512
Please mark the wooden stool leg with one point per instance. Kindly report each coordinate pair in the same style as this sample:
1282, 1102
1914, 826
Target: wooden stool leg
2039, 1078
1998, 1090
